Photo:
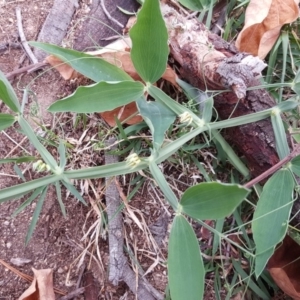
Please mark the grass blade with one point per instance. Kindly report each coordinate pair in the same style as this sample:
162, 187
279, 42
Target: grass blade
36, 215
163, 184
58, 193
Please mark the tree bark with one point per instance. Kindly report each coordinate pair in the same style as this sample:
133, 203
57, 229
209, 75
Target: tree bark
210, 63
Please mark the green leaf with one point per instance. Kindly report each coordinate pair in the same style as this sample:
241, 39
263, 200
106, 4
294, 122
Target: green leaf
270, 220
73, 191
90, 66
296, 83
59, 198
47, 157
16, 191
212, 200
18, 160
192, 4
62, 155
36, 215
295, 165
28, 201
102, 96
282, 146
6, 120
115, 169
185, 266
163, 184
149, 38
7, 94
158, 117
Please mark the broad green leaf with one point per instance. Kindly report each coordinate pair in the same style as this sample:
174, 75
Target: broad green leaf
261, 260
295, 165
99, 97
185, 266
282, 146
36, 215
6, 120
17, 160
149, 38
8, 95
212, 200
270, 220
192, 4
158, 117
90, 66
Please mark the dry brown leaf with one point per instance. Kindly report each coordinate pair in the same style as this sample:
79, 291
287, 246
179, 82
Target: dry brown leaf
41, 287
122, 113
284, 266
263, 22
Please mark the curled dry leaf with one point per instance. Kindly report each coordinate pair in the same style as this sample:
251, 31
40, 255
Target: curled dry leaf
41, 287
263, 22
117, 53
284, 267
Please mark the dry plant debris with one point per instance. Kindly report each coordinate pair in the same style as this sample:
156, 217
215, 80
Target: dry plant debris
263, 22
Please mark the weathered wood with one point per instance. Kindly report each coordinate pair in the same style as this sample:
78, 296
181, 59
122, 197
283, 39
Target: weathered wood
97, 26
56, 24
210, 63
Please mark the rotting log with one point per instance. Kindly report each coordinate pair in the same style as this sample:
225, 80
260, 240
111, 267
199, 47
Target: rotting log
97, 27
56, 24
210, 63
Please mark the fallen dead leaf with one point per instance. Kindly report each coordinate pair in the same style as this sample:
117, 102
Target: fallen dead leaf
263, 22
284, 266
122, 113
41, 287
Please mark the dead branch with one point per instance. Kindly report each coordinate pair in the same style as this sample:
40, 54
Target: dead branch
56, 24
210, 63
23, 38
118, 265
28, 69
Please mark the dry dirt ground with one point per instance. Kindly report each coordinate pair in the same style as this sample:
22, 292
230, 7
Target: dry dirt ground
58, 243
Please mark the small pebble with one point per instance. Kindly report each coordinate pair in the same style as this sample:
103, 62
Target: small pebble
8, 245
6, 223
60, 270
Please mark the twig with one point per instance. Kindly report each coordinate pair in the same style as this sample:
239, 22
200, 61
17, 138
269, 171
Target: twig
118, 264
73, 294
28, 69
273, 169
22, 37
82, 268
108, 14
